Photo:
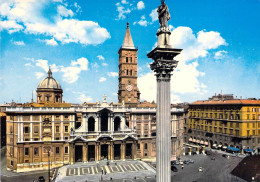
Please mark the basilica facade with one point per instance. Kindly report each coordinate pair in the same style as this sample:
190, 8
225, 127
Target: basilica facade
51, 132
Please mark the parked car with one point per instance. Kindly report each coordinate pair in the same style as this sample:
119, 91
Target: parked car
174, 169
186, 162
200, 169
225, 155
181, 162
175, 162
191, 161
41, 179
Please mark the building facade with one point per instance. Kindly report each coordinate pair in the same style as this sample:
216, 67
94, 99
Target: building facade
51, 132
223, 121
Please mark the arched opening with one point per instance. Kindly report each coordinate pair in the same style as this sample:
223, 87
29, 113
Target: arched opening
91, 124
104, 120
117, 122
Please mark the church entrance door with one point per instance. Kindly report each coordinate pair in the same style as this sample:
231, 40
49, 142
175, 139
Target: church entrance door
104, 152
91, 153
117, 151
128, 151
78, 153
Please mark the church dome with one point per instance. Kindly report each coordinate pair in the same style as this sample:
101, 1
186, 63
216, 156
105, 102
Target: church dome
49, 82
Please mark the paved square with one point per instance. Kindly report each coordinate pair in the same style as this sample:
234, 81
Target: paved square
81, 172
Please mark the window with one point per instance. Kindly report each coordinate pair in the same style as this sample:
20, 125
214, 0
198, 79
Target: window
11, 162
57, 138
247, 116
36, 129
66, 129
47, 98
35, 139
231, 125
36, 151
253, 132
11, 129
57, 99
220, 116
66, 138
145, 146
66, 117
258, 116
39, 98
138, 146
130, 72
11, 140
66, 150
26, 129
126, 72
126, 59
231, 116
253, 116
57, 129
248, 132
247, 125
26, 151
57, 150
253, 109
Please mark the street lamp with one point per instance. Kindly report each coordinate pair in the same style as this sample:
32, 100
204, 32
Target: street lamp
48, 148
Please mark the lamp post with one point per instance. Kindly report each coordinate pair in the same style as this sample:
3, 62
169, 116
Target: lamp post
48, 148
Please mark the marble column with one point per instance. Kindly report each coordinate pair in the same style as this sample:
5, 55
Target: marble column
163, 65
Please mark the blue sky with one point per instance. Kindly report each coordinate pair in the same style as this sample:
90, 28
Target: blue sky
80, 40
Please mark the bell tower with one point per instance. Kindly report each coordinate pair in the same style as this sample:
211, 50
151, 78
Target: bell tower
128, 91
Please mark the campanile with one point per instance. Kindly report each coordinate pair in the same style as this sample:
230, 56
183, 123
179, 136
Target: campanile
128, 91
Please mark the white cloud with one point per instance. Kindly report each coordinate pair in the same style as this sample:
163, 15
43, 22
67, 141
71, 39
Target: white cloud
42, 64
84, 98
19, 43
154, 15
220, 54
29, 13
39, 75
28, 65
124, 2
81, 62
100, 57
51, 42
63, 11
94, 65
140, 5
186, 76
112, 74
102, 79
70, 73
11, 26
104, 64
122, 11
78, 8
143, 21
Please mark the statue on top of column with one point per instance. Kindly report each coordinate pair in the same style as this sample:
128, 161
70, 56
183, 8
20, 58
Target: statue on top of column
163, 14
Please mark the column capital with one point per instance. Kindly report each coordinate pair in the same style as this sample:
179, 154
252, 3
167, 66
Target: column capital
163, 69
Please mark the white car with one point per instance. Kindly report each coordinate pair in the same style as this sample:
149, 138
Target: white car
181, 162
200, 169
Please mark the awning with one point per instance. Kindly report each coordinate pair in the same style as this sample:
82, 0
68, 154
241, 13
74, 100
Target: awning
233, 149
206, 143
190, 139
248, 150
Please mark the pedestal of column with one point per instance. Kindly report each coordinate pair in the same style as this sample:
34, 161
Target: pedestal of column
163, 65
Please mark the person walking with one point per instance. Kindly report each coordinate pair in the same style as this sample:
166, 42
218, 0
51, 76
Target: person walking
182, 167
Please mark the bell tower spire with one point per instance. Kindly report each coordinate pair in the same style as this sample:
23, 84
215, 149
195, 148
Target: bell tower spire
128, 91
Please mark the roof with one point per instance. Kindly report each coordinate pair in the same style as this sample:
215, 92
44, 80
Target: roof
128, 41
49, 82
227, 102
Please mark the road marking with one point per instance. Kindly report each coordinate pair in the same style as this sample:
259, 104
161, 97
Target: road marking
107, 169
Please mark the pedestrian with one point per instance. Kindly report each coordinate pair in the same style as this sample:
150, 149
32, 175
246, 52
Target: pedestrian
182, 167
102, 171
105, 172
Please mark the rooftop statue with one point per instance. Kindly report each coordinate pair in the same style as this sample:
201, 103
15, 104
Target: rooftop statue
163, 14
